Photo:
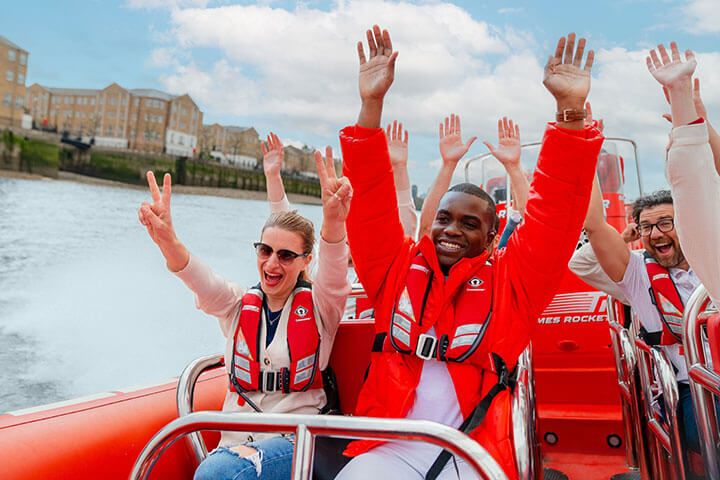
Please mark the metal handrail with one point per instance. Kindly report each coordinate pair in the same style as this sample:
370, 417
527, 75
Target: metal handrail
307, 427
666, 435
625, 368
524, 419
704, 383
478, 158
185, 394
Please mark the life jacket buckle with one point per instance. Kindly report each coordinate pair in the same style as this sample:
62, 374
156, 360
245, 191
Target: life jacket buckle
426, 346
268, 381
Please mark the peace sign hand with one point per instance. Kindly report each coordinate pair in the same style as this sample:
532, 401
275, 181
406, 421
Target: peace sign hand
336, 196
158, 222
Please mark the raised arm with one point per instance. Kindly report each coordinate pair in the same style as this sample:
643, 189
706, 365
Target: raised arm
713, 136
452, 149
331, 286
397, 140
213, 295
610, 249
539, 250
508, 154
374, 230
273, 154
690, 170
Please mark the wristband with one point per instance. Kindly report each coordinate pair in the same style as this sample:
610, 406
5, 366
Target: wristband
571, 115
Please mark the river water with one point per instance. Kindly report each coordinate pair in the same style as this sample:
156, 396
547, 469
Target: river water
86, 303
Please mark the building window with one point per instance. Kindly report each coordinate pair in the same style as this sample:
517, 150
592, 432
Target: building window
19, 101
10, 76
7, 99
92, 101
21, 79
109, 130
67, 100
111, 114
11, 55
23, 59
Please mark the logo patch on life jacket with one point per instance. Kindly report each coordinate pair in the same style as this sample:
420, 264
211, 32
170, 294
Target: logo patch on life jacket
475, 282
474, 285
301, 311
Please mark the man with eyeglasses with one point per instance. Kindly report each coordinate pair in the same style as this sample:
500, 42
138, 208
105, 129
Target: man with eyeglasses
656, 282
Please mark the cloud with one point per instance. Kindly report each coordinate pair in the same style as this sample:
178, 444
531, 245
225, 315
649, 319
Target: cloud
295, 71
703, 16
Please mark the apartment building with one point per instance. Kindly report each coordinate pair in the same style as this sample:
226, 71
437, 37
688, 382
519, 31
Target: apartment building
231, 144
13, 68
146, 120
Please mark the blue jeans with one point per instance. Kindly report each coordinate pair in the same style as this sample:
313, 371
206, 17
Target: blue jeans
686, 415
273, 462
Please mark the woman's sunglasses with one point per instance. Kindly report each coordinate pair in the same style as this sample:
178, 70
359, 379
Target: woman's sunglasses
286, 257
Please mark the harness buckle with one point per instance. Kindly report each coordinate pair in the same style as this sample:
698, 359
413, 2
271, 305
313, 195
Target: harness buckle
268, 381
426, 346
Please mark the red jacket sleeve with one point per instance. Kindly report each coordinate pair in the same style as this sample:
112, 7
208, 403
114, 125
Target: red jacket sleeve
537, 254
374, 230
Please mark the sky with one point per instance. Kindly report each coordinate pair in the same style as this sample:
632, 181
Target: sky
291, 66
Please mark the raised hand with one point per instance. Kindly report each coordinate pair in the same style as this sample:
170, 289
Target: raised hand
452, 148
273, 154
157, 220
377, 72
669, 70
336, 196
397, 144
565, 77
508, 149
590, 121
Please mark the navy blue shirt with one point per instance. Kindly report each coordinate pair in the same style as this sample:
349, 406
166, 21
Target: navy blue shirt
272, 319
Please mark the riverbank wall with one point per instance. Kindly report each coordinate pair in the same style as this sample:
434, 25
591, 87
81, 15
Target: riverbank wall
44, 155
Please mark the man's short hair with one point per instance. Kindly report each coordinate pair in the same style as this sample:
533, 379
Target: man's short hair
472, 189
659, 197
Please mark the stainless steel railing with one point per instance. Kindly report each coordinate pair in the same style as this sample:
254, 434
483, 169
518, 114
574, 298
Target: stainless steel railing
524, 419
307, 427
657, 377
626, 367
704, 382
186, 392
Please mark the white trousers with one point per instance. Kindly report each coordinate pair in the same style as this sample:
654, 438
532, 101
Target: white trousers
395, 461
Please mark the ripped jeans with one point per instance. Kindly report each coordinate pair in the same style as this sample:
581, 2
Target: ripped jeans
272, 461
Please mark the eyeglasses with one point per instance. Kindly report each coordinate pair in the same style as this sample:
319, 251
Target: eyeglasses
286, 257
665, 225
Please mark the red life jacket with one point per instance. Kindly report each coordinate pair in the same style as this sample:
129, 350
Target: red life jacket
457, 342
246, 373
667, 300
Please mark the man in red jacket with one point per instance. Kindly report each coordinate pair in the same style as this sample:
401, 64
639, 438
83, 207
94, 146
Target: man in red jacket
451, 321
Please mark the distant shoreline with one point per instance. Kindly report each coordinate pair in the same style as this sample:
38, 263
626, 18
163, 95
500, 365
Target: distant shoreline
212, 191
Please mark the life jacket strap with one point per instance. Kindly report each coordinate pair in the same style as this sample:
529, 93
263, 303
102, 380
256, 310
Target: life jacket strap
427, 346
506, 379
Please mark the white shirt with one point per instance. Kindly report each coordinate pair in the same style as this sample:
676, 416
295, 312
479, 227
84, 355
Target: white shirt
435, 400
635, 285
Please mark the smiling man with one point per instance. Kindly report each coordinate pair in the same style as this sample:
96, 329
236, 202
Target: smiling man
452, 319
656, 281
